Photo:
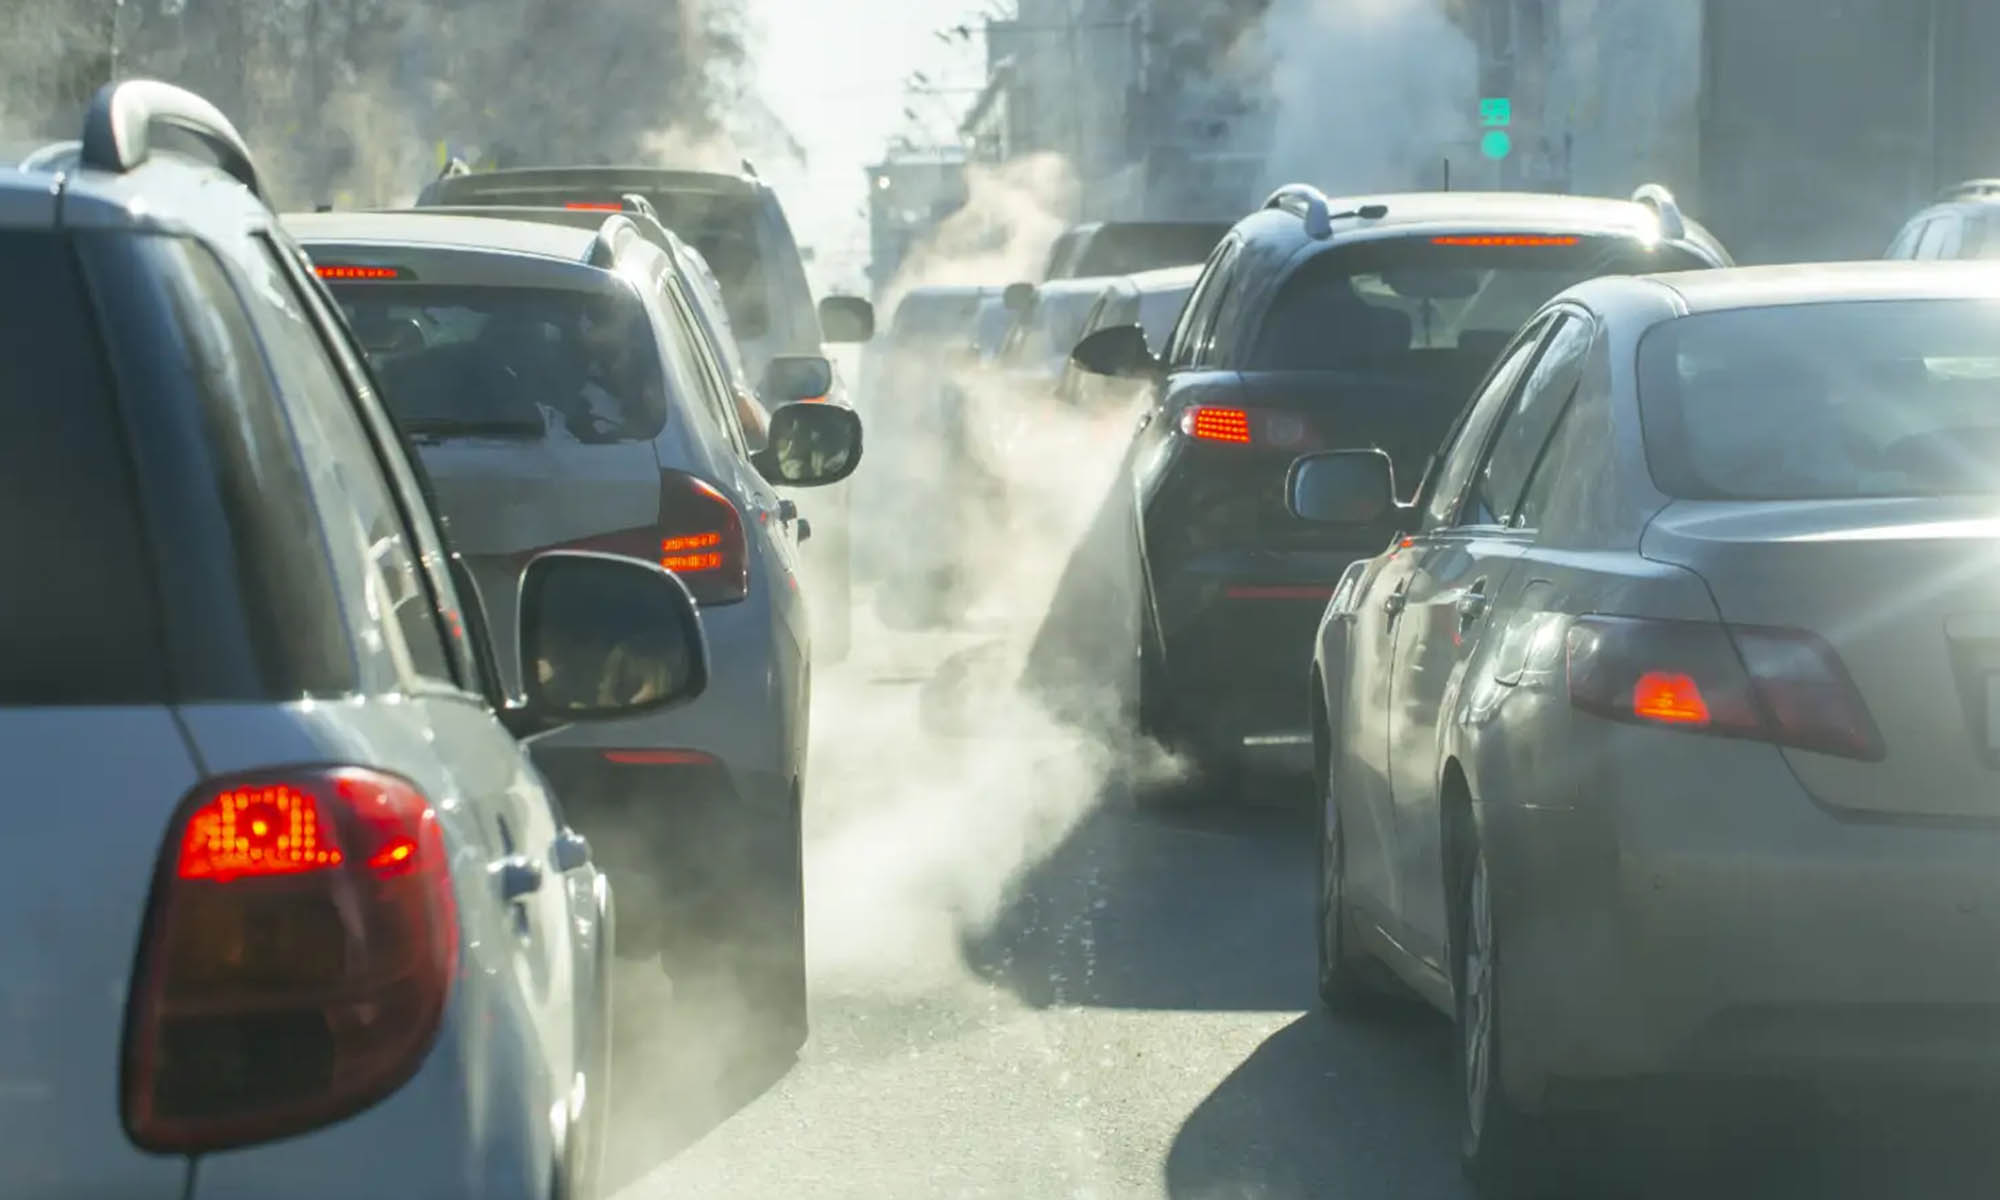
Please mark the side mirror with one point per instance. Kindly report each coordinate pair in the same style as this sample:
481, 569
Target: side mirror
811, 445
1119, 351
605, 637
1019, 297
846, 319
792, 377
1342, 487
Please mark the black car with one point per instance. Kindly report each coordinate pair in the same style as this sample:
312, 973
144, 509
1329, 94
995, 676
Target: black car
1322, 324
1104, 248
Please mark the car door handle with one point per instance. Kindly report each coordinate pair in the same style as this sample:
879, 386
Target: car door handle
570, 852
787, 511
1472, 605
1397, 599
518, 877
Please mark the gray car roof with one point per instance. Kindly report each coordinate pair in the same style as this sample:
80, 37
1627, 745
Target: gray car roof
415, 227
1811, 283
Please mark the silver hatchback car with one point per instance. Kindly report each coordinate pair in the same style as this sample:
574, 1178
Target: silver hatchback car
286, 907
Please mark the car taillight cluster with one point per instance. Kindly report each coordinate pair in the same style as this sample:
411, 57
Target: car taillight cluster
1268, 428
1777, 685
698, 536
299, 950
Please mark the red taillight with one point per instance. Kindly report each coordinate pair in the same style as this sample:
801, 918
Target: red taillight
345, 272
299, 949
1273, 428
594, 206
698, 536
1503, 239
1777, 685
659, 758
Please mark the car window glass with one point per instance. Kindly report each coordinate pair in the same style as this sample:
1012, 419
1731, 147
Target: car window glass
692, 378
1222, 303
720, 394
405, 471
364, 527
1929, 239
1181, 347
1950, 228
78, 624
1905, 245
1557, 455
1463, 451
1526, 428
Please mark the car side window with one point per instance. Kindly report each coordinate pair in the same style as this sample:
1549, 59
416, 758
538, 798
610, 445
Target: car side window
1464, 450
688, 363
405, 471
1949, 236
1936, 232
1525, 430
1200, 310
364, 527
1905, 245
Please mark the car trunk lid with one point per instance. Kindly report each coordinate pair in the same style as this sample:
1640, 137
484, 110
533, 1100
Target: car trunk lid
1907, 593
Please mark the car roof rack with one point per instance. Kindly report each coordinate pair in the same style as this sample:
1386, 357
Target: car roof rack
603, 252
635, 203
1971, 188
1307, 203
118, 130
1668, 211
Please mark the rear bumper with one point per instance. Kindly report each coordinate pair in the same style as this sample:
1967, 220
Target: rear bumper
1237, 634
1677, 906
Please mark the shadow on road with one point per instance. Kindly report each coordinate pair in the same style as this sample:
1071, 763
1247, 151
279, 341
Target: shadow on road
1205, 906
1361, 1109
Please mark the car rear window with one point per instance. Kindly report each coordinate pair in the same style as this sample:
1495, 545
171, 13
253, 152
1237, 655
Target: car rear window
78, 617
1051, 330
1411, 305
1825, 401
526, 363
1129, 249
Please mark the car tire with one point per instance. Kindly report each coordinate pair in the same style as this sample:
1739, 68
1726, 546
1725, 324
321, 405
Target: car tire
1505, 1150
1345, 983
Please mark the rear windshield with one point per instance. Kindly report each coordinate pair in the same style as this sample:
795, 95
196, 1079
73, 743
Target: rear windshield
511, 362
77, 615
1130, 249
935, 317
1825, 401
1416, 307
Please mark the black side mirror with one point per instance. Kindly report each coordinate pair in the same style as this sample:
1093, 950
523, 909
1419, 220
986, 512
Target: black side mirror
846, 319
1119, 351
1018, 298
792, 377
604, 637
1342, 487
811, 445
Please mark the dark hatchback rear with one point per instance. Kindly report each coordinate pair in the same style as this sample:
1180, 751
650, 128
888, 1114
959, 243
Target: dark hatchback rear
1373, 334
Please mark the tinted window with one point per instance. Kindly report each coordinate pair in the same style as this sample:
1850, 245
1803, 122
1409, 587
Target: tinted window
1157, 313
283, 577
1416, 311
1461, 454
1200, 310
1128, 249
362, 519
1558, 457
1526, 430
697, 368
78, 621
1052, 329
511, 362
1823, 401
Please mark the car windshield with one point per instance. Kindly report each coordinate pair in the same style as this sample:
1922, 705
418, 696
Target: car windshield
511, 362
1825, 401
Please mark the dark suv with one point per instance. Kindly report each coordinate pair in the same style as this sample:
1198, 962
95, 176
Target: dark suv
1323, 324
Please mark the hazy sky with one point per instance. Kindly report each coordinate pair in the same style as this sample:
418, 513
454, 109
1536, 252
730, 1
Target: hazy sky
835, 75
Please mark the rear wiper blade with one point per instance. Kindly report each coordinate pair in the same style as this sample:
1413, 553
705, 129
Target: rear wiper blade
439, 427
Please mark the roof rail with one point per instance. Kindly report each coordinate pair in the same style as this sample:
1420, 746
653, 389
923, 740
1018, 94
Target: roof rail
52, 157
603, 252
636, 203
454, 167
117, 131
1307, 203
1971, 187
1656, 197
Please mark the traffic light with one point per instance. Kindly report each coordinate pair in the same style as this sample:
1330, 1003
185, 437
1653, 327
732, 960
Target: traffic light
1496, 114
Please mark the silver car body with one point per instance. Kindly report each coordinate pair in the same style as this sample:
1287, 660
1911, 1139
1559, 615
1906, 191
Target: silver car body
1669, 903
